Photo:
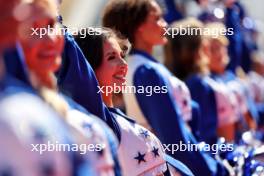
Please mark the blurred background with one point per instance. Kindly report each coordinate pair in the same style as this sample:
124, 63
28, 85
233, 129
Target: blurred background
84, 13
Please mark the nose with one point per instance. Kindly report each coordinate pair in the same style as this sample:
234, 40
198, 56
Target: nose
123, 64
54, 34
54, 39
163, 23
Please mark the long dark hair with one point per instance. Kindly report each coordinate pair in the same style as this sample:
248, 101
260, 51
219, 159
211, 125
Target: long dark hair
91, 41
182, 51
126, 16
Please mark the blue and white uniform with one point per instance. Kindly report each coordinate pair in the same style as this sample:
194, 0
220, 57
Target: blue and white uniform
33, 122
256, 84
147, 157
190, 110
246, 94
160, 111
75, 71
85, 128
77, 80
226, 101
90, 127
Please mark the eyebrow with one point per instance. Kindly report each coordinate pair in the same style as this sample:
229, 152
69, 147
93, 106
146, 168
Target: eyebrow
110, 53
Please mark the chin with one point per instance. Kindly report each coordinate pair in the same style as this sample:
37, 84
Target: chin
164, 40
120, 84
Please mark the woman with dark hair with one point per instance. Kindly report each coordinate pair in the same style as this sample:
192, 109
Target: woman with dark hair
105, 53
142, 23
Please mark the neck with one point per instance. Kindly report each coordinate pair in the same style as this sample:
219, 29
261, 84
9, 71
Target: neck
47, 80
108, 99
141, 45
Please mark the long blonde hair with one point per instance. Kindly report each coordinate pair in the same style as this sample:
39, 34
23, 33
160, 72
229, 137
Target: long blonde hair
49, 94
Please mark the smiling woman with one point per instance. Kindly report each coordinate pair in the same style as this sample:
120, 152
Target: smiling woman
105, 51
42, 54
106, 54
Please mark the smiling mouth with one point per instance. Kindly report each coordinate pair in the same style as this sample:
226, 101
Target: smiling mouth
48, 54
120, 77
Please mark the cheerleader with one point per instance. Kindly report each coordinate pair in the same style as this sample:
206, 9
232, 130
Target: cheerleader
147, 156
24, 119
245, 105
75, 70
42, 56
142, 23
218, 60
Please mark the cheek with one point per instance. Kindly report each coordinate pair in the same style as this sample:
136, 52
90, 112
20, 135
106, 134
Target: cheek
158, 33
31, 55
33, 63
60, 43
104, 75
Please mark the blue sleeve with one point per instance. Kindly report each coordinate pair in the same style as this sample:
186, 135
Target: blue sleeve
163, 115
113, 143
235, 47
77, 80
114, 149
196, 120
205, 97
260, 108
15, 64
172, 13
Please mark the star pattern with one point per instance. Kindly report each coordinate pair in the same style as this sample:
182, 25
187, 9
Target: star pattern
185, 102
87, 126
144, 133
39, 134
47, 168
140, 158
155, 151
100, 152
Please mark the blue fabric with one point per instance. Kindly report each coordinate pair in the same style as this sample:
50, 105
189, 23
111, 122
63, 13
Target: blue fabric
204, 95
207, 17
260, 108
247, 48
229, 76
10, 86
171, 13
15, 64
166, 121
179, 166
173, 162
18, 79
232, 20
196, 120
111, 139
76, 79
